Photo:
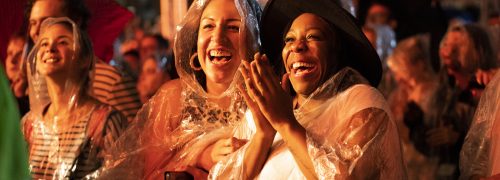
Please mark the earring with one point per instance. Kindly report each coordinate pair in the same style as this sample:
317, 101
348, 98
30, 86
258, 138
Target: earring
192, 63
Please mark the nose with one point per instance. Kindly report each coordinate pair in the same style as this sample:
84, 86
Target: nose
218, 35
51, 47
299, 46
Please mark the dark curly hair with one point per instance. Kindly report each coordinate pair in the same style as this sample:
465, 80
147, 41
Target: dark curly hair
76, 10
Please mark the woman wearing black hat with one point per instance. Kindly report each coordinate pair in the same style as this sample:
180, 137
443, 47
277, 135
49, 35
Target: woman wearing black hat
335, 126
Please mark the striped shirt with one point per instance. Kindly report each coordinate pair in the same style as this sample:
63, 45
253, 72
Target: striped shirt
116, 89
71, 153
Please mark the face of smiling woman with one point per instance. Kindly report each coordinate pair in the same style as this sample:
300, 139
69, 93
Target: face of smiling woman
306, 52
218, 41
56, 51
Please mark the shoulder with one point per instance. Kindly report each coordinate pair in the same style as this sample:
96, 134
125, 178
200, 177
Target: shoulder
358, 98
106, 112
364, 92
168, 99
172, 87
103, 70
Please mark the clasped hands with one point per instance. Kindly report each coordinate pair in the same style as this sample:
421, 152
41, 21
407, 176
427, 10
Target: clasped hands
269, 102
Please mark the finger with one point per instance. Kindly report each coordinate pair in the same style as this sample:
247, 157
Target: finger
244, 69
479, 77
486, 79
252, 91
267, 74
249, 83
245, 95
224, 151
258, 80
285, 83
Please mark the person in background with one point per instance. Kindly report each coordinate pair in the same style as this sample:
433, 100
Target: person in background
130, 63
14, 53
152, 45
153, 74
464, 50
13, 67
109, 86
416, 101
156, 45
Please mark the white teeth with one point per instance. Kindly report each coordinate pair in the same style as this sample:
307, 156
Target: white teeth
219, 53
51, 60
297, 65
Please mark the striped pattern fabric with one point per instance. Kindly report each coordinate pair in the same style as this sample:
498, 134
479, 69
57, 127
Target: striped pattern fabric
71, 153
116, 89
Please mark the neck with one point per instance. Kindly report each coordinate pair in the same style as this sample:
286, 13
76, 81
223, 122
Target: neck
301, 98
58, 93
217, 88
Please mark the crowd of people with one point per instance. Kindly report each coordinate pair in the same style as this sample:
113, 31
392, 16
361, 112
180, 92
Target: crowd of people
276, 89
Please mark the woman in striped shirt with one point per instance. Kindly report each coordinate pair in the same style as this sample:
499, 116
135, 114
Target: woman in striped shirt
68, 135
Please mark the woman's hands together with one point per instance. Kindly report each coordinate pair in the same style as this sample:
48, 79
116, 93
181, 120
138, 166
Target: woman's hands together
267, 99
219, 151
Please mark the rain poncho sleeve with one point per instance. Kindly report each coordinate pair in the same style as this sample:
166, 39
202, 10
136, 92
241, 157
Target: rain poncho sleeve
349, 135
181, 120
480, 155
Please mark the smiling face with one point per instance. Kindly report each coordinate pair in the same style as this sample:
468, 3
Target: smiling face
218, 41
306, 52
56, 51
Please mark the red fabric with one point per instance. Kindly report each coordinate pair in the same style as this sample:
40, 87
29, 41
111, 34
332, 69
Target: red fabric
108, 19
106, 24
11, 18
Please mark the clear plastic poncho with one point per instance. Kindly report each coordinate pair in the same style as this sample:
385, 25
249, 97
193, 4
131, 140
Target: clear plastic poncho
67, 142
480, 154
182, 119
350, 134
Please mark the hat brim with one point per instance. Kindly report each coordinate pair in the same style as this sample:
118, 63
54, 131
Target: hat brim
280, 13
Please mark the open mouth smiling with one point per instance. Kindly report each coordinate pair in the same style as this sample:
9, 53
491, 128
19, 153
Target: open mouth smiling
302, 68
51, 60
219, 56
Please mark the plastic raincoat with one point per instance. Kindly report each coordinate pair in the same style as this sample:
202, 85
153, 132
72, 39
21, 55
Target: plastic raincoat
69, 142
182, 119
480, 155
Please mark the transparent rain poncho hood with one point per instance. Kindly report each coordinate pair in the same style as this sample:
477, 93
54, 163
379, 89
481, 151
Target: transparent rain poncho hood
38, 91
182, 119
67, 142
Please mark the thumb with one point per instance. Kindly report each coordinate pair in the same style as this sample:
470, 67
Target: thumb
285, 82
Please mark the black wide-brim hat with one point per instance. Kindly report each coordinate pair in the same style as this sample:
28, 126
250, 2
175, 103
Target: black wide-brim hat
356, 49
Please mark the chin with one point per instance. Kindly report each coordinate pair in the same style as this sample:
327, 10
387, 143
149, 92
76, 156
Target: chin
304, 89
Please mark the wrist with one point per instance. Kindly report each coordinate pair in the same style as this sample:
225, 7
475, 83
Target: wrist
265, 136
290, 128
205, 161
